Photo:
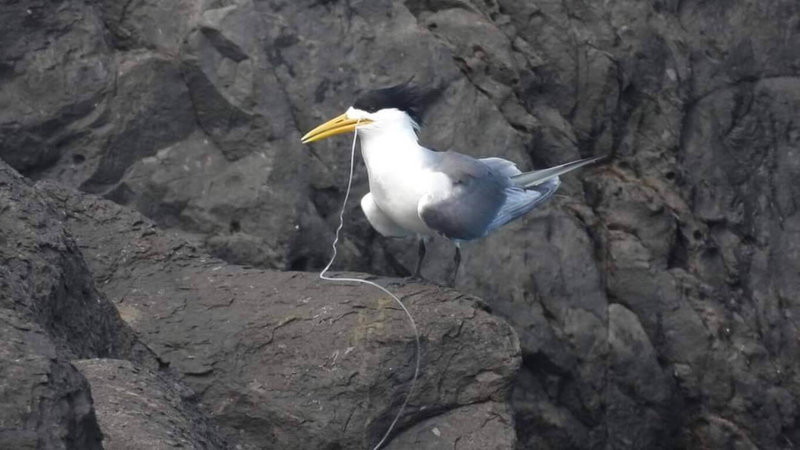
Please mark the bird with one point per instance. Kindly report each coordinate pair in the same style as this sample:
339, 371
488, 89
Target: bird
420, 192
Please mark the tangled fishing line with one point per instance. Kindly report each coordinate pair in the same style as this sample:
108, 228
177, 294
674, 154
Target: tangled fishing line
357, 280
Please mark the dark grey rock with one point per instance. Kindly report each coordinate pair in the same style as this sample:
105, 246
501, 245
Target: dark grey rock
150, 109
637, 410
50, 312
283, 359
141, 409
224, 69
44, 279
481, 426
56, 69
45, 403
148, 24
543, 417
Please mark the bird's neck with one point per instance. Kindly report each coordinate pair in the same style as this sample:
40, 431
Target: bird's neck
392, 147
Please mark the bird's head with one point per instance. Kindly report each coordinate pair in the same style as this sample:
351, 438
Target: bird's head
398, 107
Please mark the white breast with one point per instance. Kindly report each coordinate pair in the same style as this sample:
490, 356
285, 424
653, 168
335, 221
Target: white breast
399, 176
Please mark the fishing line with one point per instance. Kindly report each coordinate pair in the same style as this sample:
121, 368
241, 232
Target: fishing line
357, 280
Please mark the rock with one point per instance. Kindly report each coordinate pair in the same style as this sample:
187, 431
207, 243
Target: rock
149, 24
151, 109
50, 312
281, 359
140, 409
639, 392
44, 401
482, 426
548, 421
278, 360
56, 69
45, 280
235, 104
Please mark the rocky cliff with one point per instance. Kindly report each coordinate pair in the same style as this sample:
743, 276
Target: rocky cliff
654, 299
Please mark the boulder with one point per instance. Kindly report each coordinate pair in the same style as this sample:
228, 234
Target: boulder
50, 312
45, 403
138, 408
284, 359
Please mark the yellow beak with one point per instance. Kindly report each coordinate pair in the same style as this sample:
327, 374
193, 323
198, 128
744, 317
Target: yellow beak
337, 125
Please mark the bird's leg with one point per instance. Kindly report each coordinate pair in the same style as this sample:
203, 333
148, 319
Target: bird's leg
420, 256
457, 261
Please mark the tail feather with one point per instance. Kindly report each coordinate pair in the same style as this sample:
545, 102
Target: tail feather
536, 177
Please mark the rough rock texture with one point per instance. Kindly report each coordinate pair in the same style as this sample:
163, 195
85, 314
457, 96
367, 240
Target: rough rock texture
654, 300
141, 409
44, 401
485, 426
45, 280
283, 360
50, 312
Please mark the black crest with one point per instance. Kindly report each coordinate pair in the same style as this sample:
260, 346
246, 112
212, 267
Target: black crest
406, 97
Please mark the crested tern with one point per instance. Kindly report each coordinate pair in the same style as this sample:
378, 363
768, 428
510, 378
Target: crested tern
417, 191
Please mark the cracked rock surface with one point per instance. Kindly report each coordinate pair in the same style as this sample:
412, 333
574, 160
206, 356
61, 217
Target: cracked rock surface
654, 298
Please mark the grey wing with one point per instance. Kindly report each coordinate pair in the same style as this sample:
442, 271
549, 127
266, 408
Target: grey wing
502, 166
530, 179
468, 208
521, 201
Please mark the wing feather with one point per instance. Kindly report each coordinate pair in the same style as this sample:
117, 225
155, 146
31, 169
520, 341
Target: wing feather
485, 194
502, 166
530, 179
467, 208
521, 201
